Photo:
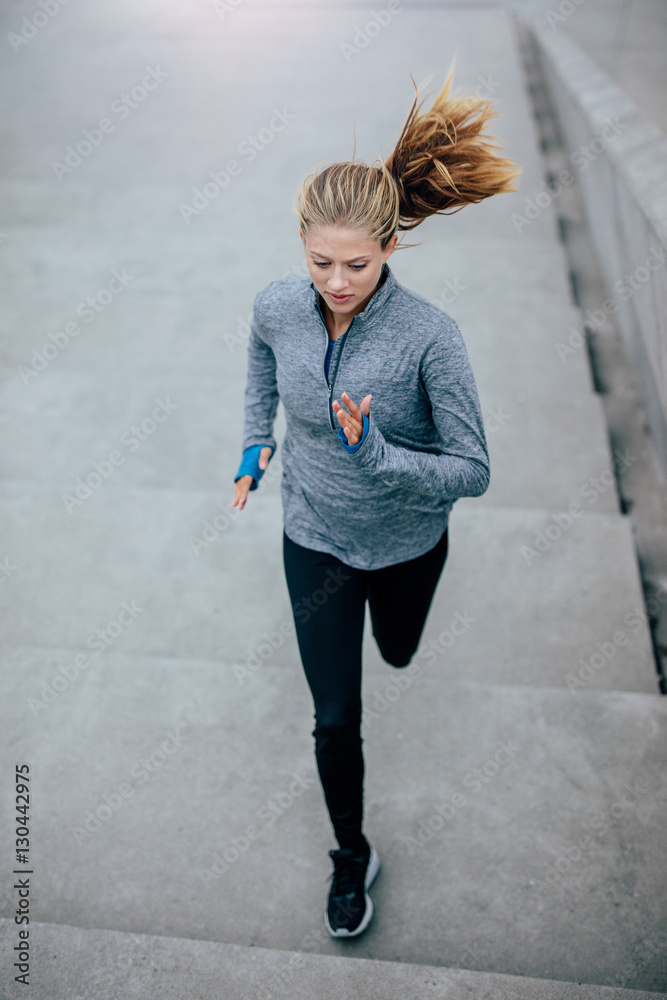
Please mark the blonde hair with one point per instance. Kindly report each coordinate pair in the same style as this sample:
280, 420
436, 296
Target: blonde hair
440, 164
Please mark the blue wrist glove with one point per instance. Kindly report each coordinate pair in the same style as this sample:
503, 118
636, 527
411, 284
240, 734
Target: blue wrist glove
250, 464
351, 448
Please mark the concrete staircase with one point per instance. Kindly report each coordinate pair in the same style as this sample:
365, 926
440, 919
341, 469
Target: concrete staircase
515, 772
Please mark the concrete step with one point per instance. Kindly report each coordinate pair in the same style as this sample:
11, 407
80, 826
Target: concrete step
189, 805
544, 588
64, 422
515, 301
72, 962
163, 335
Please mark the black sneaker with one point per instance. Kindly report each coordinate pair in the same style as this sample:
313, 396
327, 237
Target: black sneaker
350, 908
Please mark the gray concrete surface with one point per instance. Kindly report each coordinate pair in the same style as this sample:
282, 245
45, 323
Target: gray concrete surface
143, 965
624, 193
627, 38
539, 606
479, 799
478, 893
566, 88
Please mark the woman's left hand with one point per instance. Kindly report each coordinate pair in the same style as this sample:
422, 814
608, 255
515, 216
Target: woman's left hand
352, 422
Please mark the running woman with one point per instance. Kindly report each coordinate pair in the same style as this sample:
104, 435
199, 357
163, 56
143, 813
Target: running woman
384, 433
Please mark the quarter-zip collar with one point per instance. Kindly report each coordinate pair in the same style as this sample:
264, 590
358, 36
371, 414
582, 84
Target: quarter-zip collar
378, 300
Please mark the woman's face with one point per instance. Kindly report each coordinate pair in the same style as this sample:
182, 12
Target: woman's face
345, 266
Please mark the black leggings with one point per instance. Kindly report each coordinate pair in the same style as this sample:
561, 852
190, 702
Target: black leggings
328, 603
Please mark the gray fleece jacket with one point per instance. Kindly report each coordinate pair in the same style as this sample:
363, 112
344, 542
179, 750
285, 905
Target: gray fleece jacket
389, 501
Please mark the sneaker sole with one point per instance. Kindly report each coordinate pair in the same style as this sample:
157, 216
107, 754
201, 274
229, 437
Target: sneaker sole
371, 875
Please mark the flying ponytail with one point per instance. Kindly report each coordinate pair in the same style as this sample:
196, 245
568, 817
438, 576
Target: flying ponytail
440, 164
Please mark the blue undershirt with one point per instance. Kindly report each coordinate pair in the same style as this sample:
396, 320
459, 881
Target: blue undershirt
250, 462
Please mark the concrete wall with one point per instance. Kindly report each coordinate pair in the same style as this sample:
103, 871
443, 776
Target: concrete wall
626, 38
619, 159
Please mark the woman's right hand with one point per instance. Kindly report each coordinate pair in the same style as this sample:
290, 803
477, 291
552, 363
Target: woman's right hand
242, 485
